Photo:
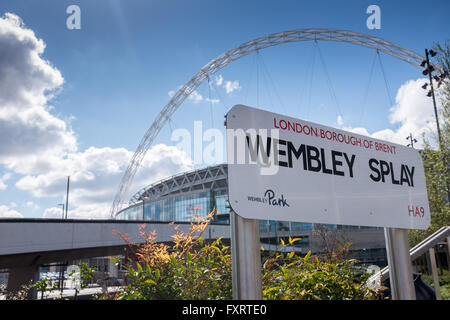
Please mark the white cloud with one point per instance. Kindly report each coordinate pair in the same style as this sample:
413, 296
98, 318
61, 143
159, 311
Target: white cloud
3, 180
95, 175
53, 213
212, 101
195, 97
32, 205
219, 80
6, 212
28, 131
413, 113
42, 149
339, 120
231, 86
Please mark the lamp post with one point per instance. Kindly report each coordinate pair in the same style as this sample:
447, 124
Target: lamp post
410, 137
67, 195
428, 71
439, 79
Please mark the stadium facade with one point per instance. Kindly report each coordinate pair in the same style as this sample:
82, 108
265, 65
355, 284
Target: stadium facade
201, 191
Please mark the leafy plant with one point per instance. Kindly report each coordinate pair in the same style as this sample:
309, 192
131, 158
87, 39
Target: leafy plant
82, 278
436, 163
444, 283
287, 276
191, 268
20, 294
44, 285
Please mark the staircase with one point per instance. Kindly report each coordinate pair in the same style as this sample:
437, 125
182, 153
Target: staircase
427, 245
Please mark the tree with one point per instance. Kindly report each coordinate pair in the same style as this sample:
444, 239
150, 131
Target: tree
437, 162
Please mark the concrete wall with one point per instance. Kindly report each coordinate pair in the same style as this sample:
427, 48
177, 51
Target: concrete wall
29, 241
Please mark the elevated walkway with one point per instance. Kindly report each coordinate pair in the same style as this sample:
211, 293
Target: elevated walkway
26, 242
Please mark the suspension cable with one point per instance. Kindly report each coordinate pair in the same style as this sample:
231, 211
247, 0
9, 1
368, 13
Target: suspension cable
210, 104
265, 82
221, 100
250, 78
170, 126
330, 84
305, 82
257, 78
308, 105
385, 80
272, 83
366, 92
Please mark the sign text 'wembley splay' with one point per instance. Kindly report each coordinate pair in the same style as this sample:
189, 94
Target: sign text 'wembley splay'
282, 168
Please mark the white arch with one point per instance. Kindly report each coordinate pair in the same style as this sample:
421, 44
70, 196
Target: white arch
244, 49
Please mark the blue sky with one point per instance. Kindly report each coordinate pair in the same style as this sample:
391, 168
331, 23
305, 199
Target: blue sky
119, 68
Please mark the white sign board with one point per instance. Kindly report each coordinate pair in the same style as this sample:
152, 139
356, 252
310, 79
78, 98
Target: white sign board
282, 168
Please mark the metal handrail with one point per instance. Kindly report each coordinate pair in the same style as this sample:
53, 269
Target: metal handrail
422, 247
427, 245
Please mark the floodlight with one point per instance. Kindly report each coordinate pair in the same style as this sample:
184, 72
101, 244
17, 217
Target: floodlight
429, 69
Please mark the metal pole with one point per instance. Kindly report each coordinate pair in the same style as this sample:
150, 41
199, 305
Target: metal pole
448, 252
434, 100
67, 196
437, 288
400, 267
246, 258
437, 119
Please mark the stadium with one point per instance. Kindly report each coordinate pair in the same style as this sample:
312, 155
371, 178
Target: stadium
205, 190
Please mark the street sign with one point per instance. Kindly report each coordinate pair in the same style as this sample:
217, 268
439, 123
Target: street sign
282, 168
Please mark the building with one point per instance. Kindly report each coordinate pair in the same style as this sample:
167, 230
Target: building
201, 191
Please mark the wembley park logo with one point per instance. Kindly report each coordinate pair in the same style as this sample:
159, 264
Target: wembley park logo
270, 198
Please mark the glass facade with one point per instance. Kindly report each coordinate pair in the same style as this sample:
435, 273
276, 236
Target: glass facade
180, 207
208, 191
131, 213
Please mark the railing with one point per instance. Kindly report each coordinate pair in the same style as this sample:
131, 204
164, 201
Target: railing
427, 245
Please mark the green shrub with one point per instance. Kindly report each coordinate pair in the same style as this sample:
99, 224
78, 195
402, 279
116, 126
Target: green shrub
189, 269
444, 283
192, 268
287, 276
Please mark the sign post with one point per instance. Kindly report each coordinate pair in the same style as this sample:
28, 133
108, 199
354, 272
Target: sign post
399, 260
282, 168
246, 260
